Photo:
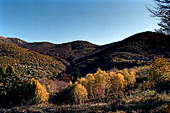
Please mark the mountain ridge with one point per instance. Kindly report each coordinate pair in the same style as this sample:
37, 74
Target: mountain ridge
141, 47
66, 52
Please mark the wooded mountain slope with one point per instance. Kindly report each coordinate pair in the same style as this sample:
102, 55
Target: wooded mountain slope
66, 52
135, 50
28, 62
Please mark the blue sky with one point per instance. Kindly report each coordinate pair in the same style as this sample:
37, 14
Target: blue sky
59, 21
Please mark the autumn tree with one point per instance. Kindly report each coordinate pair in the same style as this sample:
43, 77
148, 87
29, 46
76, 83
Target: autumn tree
159, 73
82, 81
41, 94
161, 10
130, 76
90, 84
80, 94
118, 83
100, 83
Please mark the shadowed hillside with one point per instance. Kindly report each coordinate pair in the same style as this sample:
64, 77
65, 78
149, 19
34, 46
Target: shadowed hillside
66, 52
135, 50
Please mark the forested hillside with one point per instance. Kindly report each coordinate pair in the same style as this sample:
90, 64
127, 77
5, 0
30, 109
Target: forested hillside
131, 75
27, 62
135, 50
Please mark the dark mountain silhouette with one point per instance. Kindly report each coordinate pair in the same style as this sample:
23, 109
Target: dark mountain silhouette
135, 50
66, 52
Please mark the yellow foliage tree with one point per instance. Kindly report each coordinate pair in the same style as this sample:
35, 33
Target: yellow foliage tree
41, 94
118, 83
100, 78
159, 73
82, 81
90, 83
100, 84
129, 75
80, 94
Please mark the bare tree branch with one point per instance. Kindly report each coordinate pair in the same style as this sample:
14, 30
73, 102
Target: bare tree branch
161, 10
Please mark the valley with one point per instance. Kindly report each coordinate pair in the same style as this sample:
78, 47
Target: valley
83, 77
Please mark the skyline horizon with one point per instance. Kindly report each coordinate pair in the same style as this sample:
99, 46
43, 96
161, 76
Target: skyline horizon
74, 40
97, 21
